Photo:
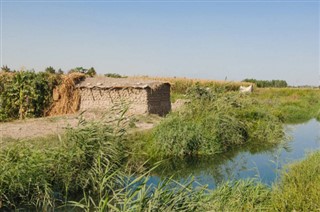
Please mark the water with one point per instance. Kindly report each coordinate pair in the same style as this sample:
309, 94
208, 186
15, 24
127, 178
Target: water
262, 163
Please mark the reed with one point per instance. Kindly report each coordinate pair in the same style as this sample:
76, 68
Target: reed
213, 122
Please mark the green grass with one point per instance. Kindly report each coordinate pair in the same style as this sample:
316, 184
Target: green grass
298, 189
243, 195
292, 105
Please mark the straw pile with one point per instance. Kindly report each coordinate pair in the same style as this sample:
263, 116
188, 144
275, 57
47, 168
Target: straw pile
66, 97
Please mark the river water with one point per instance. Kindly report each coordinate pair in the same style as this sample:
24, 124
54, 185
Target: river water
261, 163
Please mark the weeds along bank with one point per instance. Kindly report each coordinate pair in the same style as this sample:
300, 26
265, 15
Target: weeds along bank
212, 122
46, 173
296, 190
85, 169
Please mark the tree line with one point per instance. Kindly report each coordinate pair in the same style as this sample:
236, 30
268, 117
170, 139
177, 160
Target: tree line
89, 72
268, 83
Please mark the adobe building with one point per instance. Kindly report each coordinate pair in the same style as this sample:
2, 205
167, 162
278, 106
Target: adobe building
143, 97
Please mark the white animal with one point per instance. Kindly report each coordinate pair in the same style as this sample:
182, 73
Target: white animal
248, 89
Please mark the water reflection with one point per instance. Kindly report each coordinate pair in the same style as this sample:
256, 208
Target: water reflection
252, 161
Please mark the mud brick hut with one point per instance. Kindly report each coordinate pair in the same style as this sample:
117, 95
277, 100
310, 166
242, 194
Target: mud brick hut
143, 97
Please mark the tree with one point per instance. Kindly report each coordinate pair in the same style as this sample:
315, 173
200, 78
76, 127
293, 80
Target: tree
114, 75
268, 83
77, 69
5, 68
91, 72
50, 70
60, 71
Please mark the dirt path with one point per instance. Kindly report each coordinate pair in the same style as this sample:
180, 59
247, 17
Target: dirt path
36, 127
40, 127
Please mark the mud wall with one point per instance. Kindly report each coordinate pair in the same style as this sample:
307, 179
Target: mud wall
159, 100
99, 98
140, 101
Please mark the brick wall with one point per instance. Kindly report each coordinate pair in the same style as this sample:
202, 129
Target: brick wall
98, 98
141, 101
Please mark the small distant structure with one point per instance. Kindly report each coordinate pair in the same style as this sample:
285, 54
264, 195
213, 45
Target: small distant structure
142, 96
244, 89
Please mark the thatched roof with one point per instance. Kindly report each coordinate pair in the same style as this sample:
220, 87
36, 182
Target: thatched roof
113, 83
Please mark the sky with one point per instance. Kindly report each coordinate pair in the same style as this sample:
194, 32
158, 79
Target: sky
204, 39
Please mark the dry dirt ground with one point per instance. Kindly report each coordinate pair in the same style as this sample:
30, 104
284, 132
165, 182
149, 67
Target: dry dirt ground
40, 127
36, 127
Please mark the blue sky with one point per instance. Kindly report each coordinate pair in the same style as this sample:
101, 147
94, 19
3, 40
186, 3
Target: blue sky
200, 39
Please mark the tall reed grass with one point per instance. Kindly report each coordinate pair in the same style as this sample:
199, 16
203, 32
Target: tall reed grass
299, 186
213, 122
33, 176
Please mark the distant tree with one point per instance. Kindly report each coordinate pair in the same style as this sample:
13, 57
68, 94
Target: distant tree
77, 69
5, 68
114, 75
60, 71
50, 70
268, 83
91, 72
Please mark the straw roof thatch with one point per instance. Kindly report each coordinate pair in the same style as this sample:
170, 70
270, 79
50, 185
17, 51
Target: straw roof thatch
120, 83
